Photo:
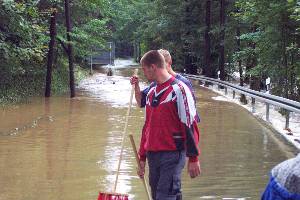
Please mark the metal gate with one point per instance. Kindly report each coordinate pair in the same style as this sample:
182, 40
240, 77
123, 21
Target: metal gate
103, 56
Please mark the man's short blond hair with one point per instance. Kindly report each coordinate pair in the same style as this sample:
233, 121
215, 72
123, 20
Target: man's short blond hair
166, 55
153, 57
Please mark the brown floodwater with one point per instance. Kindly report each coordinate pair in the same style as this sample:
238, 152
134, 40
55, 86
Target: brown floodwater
67, 149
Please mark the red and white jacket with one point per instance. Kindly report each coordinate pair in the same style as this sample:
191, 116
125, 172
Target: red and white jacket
170, 123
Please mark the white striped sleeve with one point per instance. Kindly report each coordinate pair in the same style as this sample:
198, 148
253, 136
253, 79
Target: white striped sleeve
185, 104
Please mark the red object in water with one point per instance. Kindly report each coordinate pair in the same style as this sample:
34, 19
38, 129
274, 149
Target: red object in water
110, 196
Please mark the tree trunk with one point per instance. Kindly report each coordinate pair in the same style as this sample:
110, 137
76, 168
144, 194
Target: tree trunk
284, 36
222, 27
188, 58
136, 51
243, 98
70, 50
208, 69
293, 75
238, 42
50, 56
254, 81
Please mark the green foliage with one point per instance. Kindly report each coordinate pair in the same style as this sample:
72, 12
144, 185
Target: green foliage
269, 38
269, 35
60, 78
83, 40
275, 41
19, 87
22, 49
24, 37
91, 26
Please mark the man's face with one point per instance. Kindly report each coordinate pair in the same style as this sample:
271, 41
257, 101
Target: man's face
149, 72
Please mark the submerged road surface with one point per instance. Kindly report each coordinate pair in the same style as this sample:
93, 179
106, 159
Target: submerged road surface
67, 149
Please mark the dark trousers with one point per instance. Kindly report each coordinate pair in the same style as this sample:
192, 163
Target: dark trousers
165, 169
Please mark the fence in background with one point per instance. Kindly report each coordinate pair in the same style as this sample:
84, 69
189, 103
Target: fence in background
268, 99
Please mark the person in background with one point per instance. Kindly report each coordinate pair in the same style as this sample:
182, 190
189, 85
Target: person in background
140, 96
284, 182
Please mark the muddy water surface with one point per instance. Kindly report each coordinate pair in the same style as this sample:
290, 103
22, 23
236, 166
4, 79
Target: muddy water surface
66, 149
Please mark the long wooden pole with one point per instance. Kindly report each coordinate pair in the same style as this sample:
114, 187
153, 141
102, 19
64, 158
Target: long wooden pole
138, 163
124, 134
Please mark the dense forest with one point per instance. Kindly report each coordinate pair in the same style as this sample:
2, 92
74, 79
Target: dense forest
256, 38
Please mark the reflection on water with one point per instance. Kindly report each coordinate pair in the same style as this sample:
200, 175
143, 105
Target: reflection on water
72, 150
110, 89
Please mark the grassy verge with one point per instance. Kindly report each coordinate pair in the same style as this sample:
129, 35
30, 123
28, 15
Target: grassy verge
19, 87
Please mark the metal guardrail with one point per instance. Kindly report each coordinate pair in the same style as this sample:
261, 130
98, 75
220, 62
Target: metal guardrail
287, 104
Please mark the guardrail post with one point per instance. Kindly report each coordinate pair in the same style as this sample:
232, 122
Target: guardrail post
267, 112
226, 91
287, 119
233, 94
253, 104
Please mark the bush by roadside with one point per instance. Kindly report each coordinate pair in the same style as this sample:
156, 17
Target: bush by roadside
18, 87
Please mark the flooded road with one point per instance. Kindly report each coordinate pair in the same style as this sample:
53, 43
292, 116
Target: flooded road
67, 149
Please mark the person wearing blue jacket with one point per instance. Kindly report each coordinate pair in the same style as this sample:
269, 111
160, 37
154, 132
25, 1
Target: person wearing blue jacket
284, 182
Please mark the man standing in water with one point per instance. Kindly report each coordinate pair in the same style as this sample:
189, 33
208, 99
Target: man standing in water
140, 96
170, 133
